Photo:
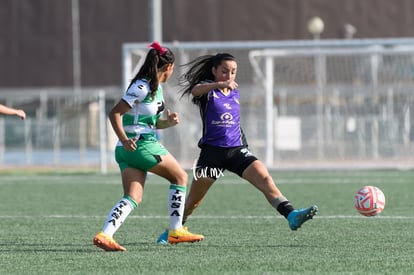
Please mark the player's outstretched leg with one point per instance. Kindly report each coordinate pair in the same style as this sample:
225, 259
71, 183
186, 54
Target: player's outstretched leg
297, 217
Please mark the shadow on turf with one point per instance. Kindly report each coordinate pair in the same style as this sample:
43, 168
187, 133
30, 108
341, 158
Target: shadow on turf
26, 247
86, 248
204, 244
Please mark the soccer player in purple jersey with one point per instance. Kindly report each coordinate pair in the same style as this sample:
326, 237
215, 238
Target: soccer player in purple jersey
211, 82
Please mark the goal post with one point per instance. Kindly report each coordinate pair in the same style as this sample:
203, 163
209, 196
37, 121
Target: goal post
325, 92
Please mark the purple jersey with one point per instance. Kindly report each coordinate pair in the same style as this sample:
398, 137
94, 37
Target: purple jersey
221, 119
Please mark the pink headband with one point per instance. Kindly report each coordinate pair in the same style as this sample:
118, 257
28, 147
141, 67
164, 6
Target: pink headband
156, 46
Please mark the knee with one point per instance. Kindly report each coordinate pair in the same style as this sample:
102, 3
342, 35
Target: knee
268, 180
181, 177
137, 198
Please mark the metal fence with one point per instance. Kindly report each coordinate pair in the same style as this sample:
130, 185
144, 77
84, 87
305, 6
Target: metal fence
318, 102
330, 103
63, 127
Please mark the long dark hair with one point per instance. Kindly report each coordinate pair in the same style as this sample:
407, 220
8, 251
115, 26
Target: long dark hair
156, 58
200, 70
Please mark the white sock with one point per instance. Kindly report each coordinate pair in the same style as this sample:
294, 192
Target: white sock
176, 202
118, 214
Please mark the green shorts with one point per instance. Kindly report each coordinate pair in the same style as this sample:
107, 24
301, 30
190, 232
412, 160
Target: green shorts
147, 155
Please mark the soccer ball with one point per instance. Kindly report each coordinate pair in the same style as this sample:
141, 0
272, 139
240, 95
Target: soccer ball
369, 201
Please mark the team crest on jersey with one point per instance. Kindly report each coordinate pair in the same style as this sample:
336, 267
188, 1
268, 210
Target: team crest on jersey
161, 107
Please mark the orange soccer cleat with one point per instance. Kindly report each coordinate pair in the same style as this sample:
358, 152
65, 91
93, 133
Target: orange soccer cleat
107, 243
182, 235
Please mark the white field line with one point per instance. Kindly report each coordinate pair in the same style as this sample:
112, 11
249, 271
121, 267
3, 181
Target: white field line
57, 216
52, 180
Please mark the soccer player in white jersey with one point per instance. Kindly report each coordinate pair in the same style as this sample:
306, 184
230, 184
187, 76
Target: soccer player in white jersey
135, 119
211, 81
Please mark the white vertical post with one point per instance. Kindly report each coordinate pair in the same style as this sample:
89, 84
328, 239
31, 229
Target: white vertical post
362, 137
2, 140
283, 102
83, 138
28, 140
390, 104
375, 138
406, 124
269, 110
375, 62
320, 73
56, 141
102, 134
126, 67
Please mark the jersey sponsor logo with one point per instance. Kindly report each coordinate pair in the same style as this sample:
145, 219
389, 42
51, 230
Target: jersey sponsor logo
132, 92
226, 120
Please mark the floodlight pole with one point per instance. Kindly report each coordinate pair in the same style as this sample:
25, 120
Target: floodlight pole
76, 48
316, 27
155, 24
103, 140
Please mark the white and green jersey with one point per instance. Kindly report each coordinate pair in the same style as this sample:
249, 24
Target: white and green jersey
145, 111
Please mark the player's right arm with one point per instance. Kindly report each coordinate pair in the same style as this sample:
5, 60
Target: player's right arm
205, 87
115, 117
134, 94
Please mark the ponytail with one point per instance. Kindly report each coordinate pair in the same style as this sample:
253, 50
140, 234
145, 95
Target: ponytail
156, 58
